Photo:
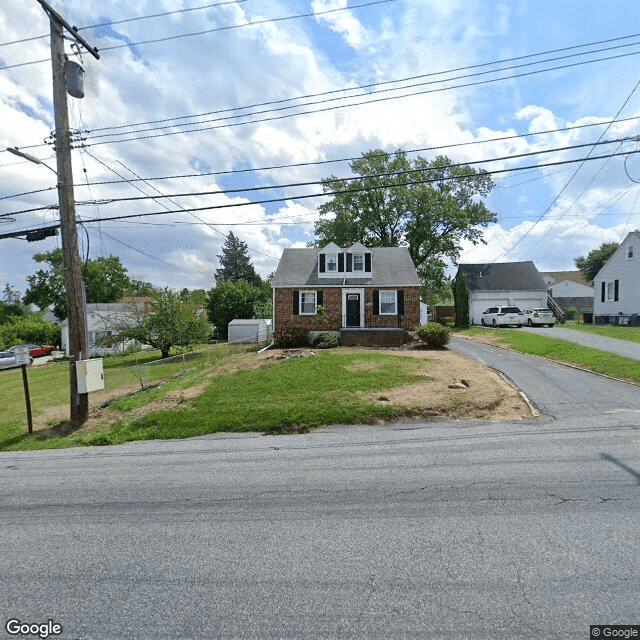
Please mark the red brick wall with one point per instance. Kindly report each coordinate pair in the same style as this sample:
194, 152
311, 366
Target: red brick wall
332, 303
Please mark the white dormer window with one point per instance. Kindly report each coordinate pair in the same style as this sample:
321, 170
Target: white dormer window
358, 262
630, 252
331, 262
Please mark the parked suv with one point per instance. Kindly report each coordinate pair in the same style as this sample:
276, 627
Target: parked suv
502, 317
540, 316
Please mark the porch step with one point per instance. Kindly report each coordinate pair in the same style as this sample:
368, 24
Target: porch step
363, 337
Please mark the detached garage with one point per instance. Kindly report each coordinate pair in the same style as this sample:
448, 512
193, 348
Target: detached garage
514, 284
254, 330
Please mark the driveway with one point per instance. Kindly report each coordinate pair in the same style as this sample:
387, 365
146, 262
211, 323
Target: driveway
555, 389
613, 345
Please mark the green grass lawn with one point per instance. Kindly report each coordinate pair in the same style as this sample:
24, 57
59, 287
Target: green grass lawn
554, 348
300, 392
632, 334
49, 383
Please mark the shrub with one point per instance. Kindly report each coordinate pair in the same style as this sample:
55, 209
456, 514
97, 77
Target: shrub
434, 335
570, 313
326, 341
289, 337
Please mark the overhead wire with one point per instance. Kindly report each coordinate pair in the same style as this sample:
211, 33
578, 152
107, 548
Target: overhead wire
87, 140
571, 178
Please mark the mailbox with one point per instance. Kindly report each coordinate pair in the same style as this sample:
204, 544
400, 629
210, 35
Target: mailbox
89, 375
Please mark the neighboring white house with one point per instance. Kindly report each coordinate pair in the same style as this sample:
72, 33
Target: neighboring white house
101, 318
569, 289
617, 284
254, 330
517, 284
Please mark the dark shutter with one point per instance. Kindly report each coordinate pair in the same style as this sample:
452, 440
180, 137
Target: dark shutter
602, 290
319, 298
296, 303
401, 302
349, 262
367, 262
341, 262
616, 288
322, 267
376, 302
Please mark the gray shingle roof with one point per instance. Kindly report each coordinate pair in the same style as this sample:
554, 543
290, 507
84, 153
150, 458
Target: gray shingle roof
390, 267
503, 276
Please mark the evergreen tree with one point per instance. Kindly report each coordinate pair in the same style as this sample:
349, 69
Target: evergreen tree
235, 262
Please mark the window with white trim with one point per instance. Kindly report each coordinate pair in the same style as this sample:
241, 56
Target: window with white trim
331, 262
307, 303
358, 262
611, 289
630, 252
388, 300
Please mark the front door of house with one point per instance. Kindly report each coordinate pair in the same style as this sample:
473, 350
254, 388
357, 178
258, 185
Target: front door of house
353, 310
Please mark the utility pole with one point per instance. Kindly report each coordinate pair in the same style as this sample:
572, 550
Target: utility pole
78, 347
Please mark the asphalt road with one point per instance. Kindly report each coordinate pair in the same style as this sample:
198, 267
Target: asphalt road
474, 529
555, 389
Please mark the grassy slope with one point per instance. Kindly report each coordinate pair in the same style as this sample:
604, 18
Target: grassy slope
308, 392
632, 334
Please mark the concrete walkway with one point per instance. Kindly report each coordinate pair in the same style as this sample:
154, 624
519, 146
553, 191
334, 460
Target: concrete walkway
612, 345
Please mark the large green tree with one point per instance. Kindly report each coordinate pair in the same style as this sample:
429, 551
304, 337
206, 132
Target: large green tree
230, 300
235, 263
595, 259
105, 280
170, 321
429, 206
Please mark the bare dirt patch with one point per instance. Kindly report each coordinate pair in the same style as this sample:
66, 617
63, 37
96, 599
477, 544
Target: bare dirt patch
442, 394
457, 388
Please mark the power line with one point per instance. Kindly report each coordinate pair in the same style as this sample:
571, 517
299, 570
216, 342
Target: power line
112, 22
343, 106
247, 24
317, 195
317, 182
213, 30
355, 178
573, 175
172, 120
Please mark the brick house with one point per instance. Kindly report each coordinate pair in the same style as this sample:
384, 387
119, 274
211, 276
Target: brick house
369, 296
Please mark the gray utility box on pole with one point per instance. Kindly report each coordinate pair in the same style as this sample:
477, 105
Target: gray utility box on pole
90, 375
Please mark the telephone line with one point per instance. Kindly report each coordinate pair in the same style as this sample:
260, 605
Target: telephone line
317, 195
343, 106
334, 91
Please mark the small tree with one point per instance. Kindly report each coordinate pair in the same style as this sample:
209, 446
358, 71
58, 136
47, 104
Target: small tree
169, 322
229, 300
461, 300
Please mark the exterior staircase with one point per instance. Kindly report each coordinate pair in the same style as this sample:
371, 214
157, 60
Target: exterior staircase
555, 309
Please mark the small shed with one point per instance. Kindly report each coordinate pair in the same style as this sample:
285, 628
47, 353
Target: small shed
254, 330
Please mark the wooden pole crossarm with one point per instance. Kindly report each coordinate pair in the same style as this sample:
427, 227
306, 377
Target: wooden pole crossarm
54, 15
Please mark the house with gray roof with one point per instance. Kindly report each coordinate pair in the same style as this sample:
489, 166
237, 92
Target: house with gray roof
569, 289
366, 296
514, 284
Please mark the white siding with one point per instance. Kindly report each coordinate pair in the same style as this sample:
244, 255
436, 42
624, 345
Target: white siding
257, 330
627, 272
570, 289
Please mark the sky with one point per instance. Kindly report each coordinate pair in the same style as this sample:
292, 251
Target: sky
213, 100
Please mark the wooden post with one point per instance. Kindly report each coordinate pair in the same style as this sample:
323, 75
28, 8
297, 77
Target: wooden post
27, 398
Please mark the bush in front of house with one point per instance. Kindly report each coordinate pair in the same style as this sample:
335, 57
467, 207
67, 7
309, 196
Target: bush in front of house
326, 341
433, 335
291, 337
570, 313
